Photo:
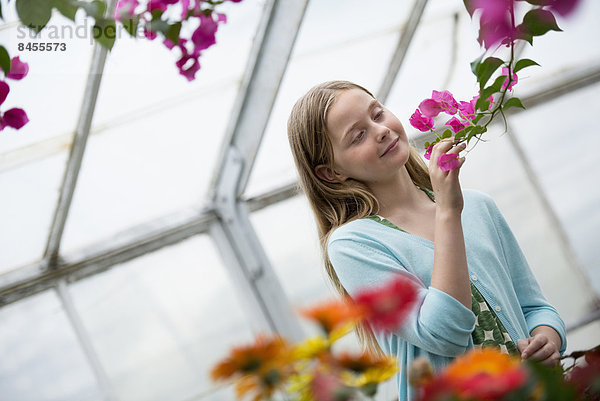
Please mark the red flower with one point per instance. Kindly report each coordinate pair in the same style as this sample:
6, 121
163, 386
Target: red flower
386, 307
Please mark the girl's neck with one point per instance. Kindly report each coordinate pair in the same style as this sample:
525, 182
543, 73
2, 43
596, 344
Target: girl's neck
398, 193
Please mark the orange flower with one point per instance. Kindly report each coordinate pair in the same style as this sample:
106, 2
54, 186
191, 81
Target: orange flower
332, 314
360, 363
261, 367
485, 374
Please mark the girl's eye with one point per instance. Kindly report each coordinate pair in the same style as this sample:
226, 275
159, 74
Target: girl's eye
358, 137
379, 114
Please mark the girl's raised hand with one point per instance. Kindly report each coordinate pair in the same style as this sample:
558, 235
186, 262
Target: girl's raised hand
446, 186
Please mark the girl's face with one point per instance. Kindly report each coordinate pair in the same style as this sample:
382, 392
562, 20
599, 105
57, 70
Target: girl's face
369, 142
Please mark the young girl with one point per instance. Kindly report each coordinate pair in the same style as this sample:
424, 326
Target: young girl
382, 212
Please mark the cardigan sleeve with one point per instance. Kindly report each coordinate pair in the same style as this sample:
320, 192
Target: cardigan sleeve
536, 309
439, 323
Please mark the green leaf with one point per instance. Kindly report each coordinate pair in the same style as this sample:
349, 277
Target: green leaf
4, 60
105, 32
482, 104
493, 88
94, 9
523, 63
523, 34
34, 13
426, 144
131, 25
513, 102
475, 64
158, 25
486, 69
463, 132
173, 32
476, 119
66, 8
447, 134
539, 21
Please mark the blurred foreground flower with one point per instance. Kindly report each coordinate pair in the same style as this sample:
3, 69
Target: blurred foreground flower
386, 307
480, 374
260, 368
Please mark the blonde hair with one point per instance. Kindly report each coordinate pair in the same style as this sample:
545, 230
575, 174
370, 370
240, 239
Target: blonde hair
335, 204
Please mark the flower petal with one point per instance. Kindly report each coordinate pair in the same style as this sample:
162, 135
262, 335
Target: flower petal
15, 118
18, 69
4, 89
448, 161
421, 122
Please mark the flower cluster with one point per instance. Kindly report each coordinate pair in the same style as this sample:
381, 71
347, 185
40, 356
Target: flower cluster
189, 13
497, 26
16, 117
463, 114
311, 369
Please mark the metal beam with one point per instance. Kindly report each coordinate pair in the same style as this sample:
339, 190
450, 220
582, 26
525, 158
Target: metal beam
125, 246
77, 150
246, 260
267, 64
410, 26
83, 337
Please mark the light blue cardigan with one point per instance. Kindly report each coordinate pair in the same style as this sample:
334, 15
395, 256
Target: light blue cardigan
367, 253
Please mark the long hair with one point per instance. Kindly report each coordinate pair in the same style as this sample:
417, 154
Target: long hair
335, 204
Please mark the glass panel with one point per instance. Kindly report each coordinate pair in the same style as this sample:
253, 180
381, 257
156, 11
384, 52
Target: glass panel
27, 206
52, 91
356, 45
293, 249
495, 169
161, 321
561, 150
41, 358
157, 136
558, 52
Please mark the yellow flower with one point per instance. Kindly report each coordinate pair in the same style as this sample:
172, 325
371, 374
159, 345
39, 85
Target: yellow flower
311, 348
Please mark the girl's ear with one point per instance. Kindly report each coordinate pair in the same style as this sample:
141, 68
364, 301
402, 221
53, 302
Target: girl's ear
327, 174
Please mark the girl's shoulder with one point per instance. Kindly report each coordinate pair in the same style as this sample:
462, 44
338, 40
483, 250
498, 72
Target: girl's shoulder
358, 230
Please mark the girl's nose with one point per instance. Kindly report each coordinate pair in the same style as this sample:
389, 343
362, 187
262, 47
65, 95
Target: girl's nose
382, 133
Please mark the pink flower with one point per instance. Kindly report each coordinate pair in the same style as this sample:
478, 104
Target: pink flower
204, 36
150, 35
563, 7
125, 9
421, 122
448, 161
18, 69
495, 25
445, 98
456, 125
467, 110
430, 107
15, 118
328, 387
513, 81
428, 150
4, 89
386, 307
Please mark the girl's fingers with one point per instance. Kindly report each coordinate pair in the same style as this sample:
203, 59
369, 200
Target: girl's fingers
458, 148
